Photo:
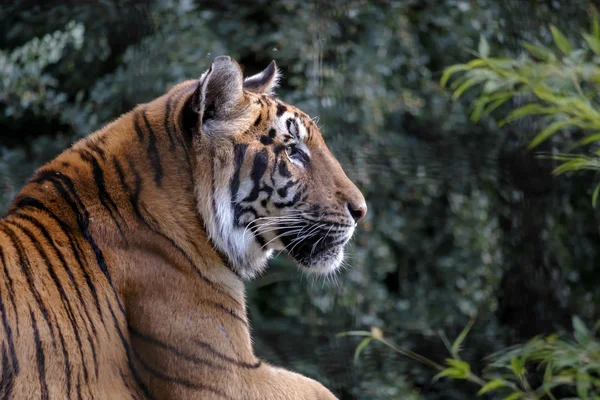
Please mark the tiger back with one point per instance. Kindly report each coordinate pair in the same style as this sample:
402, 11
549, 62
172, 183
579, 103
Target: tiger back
123, 260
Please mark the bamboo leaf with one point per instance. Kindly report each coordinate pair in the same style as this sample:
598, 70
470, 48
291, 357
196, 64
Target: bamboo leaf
529, 109
513, 396
595, 195
484, 47
539, 51
515, 365
361, 346
585, 141
580, 331
354, 333
549, 131
572, 165
497, 103
595, 23
464, 87
459, 365
448, 72
561, 41
461, 338
593, 42
492, 385
450, 373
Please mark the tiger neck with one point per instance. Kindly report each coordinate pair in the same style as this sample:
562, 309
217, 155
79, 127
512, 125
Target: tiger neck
135, 188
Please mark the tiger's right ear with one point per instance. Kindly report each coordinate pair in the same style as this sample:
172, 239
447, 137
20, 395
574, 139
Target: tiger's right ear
220, 92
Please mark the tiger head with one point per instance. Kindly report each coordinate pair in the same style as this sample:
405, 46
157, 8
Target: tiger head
265, 179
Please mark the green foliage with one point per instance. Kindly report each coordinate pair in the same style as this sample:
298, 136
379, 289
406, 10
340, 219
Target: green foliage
562, 89
25, 84
570, 362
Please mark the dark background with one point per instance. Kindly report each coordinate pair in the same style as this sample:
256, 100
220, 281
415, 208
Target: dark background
463, 221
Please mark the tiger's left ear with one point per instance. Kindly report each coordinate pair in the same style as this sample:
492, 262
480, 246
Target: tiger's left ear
264, 82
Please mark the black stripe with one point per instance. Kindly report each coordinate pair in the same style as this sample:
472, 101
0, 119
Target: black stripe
127, 348
220, 306
180, 381
242, 364
153, 154
281, 108
135, 203
283, 169
290, 203
74, 244
7, 380
25, 268
103, 195
258, 120
41, 361
96, 149
138, 128
63, 295
79, 396
67, 361
9, 338
167, 124
69, 195
172, 349
239, 152
64, 262
127, 385
259, 167
11, 289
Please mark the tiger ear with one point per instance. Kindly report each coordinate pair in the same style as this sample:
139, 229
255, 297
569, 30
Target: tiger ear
220, 91
264, 82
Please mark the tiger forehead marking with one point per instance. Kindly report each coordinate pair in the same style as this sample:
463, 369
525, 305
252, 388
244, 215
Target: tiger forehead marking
121, 259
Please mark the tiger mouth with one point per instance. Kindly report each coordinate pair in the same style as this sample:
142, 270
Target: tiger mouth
315, 249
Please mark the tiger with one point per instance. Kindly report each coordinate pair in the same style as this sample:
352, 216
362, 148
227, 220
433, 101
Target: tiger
124, 259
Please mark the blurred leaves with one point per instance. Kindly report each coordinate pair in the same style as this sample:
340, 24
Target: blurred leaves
562, 89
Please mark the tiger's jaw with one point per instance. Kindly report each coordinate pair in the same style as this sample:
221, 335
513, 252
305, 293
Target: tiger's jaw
319, 248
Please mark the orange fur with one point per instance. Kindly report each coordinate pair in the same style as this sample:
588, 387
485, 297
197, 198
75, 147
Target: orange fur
113, 286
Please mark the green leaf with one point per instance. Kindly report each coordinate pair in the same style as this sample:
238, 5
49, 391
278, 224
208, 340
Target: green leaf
516, 364
513, 396
492, 106
548, 372
461, 338
464, 87
573, 165
585, 141
593, 42
582, 383
580, 331
492, 385
529, 109
361, 346
561, 41
354, 333
451, 373
478, 109
484, 47
539, 51
595, 23
545, 93
595, 195
448, 72
459, 365
476, 63
549, 131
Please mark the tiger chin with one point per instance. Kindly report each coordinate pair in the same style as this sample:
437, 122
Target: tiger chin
123, 259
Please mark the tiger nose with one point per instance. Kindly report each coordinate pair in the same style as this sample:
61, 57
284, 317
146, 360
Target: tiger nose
357, 212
